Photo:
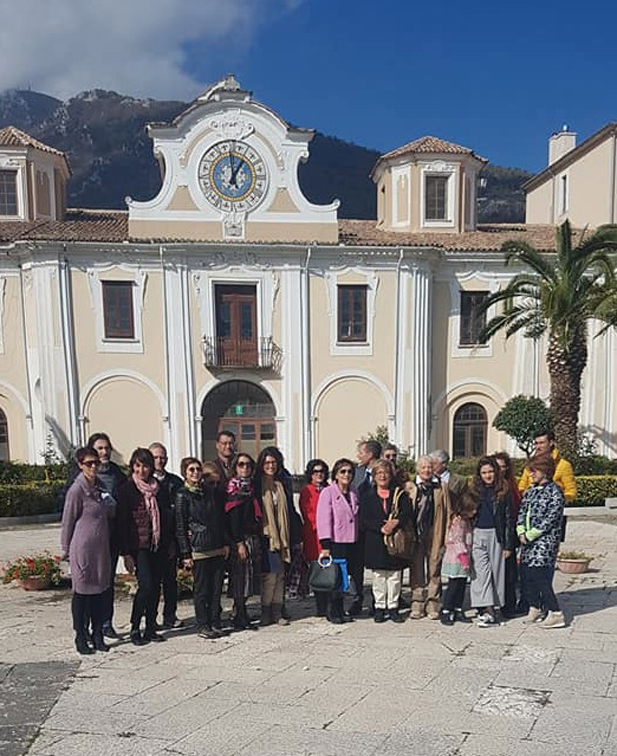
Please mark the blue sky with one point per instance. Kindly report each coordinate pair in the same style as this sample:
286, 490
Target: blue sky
499, 78
496, 77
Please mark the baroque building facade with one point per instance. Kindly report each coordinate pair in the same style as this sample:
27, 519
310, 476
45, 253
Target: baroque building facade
229, 301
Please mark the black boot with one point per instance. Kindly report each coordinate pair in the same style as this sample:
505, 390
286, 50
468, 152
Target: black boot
335, 614
81, 644
98, 640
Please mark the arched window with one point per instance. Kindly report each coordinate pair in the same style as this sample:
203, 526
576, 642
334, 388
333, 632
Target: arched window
469, 432
241, 407
4, 437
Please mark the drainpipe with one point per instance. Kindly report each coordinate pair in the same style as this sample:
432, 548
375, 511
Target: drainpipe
306, 360
70, 362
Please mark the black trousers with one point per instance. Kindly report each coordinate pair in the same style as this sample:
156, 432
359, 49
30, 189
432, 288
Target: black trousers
108, 595
511, 581
170, 589
454, 595
149, 568
86, 608
356, 568
207, 586
538, 584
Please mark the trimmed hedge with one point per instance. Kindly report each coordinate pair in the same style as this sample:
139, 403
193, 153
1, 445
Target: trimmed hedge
22, 500
593, 489
16, 472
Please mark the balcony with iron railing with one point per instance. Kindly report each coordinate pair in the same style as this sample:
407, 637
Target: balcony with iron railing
222, 354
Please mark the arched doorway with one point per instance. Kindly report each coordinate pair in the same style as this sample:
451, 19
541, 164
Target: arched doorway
469, 432
241, 407
4, 438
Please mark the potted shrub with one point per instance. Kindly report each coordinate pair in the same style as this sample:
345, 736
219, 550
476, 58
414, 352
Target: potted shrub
34, 572
573, 562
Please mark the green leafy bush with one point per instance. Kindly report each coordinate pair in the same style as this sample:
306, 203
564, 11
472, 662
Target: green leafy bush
22, 500
16, 472
593, 489
594, 465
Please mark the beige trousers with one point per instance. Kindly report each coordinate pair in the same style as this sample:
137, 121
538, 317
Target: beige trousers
272, 588
386, 588
425, 574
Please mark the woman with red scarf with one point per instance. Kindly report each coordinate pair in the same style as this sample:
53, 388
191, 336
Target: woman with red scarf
144, 527
316, 476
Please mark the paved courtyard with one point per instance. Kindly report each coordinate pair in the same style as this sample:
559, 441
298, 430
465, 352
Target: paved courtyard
314, 688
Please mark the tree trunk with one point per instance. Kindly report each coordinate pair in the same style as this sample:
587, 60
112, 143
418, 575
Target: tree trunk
565, 367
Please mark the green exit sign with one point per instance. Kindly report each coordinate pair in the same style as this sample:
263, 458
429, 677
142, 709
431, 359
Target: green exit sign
238, 409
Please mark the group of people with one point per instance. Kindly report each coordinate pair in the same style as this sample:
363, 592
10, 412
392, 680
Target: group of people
236, 516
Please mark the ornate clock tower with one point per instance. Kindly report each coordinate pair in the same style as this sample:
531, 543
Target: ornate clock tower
230, 172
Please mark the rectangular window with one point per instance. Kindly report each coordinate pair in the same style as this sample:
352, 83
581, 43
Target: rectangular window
436, 198
563, 195
8, 193
118, 309
352, 313
473, 320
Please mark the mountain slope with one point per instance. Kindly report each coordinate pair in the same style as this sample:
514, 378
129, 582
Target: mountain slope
103, 135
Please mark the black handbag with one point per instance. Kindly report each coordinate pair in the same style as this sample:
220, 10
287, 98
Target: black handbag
324, 576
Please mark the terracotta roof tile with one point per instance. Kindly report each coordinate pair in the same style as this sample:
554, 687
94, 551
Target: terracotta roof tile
431, 145
111, 226
13, 137
487, 238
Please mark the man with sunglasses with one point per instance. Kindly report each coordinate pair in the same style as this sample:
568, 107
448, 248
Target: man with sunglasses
172, 483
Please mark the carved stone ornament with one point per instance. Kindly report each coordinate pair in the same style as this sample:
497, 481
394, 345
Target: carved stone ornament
7, 162
233, 225
438, 166
231, 126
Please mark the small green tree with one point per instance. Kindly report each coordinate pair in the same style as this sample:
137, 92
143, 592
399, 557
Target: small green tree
521, 418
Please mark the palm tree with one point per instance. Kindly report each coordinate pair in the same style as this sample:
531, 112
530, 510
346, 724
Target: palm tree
560, 295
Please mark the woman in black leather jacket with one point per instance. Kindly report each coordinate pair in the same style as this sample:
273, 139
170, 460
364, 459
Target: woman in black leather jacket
203, 544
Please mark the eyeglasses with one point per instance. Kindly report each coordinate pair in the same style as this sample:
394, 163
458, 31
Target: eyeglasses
346, 471
244, 464
319, 471
194, 469
91, 463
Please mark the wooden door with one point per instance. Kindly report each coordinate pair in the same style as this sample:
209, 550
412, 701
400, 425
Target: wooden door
236, 325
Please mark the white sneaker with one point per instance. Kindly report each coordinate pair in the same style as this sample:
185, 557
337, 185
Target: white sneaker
553, 619
487, 620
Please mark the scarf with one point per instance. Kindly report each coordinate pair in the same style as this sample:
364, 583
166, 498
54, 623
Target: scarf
149, 491
239, 491
425, 508
276, 520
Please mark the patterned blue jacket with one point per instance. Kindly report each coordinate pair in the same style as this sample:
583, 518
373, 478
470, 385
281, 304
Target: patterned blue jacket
539, 519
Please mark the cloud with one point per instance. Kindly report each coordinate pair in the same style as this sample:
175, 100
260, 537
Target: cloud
136, 47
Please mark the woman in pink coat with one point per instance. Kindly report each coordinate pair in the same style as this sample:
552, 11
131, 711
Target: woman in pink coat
337, 527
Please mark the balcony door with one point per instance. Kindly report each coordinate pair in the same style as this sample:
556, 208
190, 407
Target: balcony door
236, 325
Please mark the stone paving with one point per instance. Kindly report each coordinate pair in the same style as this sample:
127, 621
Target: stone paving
313, 688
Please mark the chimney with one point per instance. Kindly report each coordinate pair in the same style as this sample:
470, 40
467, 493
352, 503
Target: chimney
560, 143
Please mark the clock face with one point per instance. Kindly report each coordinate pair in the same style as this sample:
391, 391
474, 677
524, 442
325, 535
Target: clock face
232, 176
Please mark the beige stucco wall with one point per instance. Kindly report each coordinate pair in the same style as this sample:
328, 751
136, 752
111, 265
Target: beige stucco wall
589, 191
347, 410
13, 384
127, 410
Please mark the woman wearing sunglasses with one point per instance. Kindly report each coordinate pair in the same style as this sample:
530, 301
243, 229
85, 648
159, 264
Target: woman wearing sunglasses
316, 476
143, 527
202, 542
243, 515
337, 528
86, 518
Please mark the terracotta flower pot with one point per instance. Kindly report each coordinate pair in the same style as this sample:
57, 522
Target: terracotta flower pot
573, 566
34, 583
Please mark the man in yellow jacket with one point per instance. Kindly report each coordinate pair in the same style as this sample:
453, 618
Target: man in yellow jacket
544, 443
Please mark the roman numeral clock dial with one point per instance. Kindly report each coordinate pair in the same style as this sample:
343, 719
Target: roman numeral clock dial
232, 176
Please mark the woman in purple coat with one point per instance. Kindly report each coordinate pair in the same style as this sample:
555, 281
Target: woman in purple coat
337, 528
86, 518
